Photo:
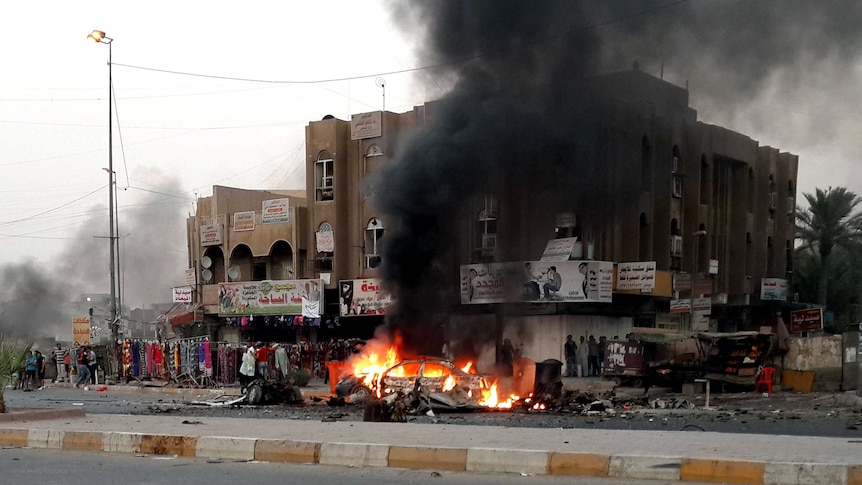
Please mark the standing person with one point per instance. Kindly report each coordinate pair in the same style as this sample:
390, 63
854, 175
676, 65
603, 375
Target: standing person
570, 350
92, 364
246, 370
62, 364
83, 370
603, 345
593, 357
262, 358
30, 369
41, 364
583, 357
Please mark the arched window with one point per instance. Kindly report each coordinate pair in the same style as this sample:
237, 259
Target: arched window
486, 230
773, 196
373, 235
281, 261
324, 176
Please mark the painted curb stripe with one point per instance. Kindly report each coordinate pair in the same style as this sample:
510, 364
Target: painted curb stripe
287, 451
583, 464
82, 441
722, 471
154, 444
14, 437
423, 458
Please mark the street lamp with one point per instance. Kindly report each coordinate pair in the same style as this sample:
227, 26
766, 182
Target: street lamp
99, 36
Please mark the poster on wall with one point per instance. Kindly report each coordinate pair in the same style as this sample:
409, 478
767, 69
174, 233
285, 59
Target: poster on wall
211, 235
81, 331
773, 289
243, 221
275, 297
537, 281
325, 241
362, 297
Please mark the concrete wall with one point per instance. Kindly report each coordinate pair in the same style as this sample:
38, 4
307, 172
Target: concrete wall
542, 337
851, 360
822, 355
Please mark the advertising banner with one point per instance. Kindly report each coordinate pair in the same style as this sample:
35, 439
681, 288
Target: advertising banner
559, 249
365, 125
701, 306
636, 276
362, 297
211, 235
243, 221
277, 297
81, 331
275, 210
806, 320
537, 281
325, 241
680, 306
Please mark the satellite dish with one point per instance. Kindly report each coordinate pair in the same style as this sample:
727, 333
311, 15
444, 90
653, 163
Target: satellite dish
206, 262
207, 275
233, 273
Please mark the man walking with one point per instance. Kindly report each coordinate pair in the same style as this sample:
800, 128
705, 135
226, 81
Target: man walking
570, 349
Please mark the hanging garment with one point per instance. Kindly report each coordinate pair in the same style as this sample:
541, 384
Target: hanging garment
208, 358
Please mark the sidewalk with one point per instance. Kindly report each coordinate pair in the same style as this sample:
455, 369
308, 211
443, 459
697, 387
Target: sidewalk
690, 456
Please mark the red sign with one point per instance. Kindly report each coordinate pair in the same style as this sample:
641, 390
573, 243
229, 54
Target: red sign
806, 320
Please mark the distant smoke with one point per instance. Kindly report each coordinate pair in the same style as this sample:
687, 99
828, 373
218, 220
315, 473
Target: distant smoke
515, 115
37, 295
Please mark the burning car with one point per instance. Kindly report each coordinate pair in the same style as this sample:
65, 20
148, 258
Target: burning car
438, 382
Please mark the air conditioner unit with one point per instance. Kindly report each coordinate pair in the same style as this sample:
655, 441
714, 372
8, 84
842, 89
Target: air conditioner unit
326, 181
489, 242
676, 246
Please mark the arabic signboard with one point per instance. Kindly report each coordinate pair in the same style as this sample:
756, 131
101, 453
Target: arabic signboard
365, 125
806, 320
182, 294
81, 331
701, 284
701, 306
362, 297
559, 249
681, 281
773, 289
211, 235
325, 241
275, 210
680, 306
243, 221
636, 276
537, 281
275, 297
190, 276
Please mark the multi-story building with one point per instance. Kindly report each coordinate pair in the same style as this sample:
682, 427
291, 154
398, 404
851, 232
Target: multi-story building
711, 207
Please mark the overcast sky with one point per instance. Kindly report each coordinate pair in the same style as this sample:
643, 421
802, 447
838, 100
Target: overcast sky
176, 135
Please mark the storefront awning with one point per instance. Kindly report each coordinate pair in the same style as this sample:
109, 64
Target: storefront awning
183, 315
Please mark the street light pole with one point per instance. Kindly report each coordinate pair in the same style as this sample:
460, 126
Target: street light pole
100, 37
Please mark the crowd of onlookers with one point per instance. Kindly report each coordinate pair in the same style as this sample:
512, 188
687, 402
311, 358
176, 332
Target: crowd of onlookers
32, 375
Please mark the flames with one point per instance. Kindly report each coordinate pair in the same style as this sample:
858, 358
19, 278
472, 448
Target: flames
376, 359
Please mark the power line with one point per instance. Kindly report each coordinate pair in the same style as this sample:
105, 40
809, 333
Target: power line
49, 210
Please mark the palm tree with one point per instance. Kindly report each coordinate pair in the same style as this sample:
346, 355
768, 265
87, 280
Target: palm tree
13, 353
828, 223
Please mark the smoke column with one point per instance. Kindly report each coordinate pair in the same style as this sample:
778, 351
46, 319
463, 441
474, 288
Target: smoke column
515, 116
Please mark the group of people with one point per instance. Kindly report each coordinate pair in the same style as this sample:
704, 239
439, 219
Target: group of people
32, 375
255, 362
585, 358
87, 364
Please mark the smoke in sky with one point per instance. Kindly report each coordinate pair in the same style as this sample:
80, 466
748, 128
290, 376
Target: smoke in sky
37, 296
515, 114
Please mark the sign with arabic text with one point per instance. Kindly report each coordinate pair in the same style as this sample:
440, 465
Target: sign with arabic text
773, 289
325, 241
243, 221
271, 297
680, 306
362, 297
559, 249
275, 210
806, 320
365, 125
81, 331
211, 235
636, 276
182, 294
537, 281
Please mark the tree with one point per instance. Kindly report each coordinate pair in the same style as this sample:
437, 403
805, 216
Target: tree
13, 354
827, 224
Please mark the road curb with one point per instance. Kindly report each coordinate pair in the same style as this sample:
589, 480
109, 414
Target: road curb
485, 460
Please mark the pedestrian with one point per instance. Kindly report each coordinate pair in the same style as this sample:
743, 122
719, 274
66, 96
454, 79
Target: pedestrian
593, 356
262, 358
30, 369
603, 345
583, 357
92, 364
60, 359
83, 371
41, 364
246, 370
570, 350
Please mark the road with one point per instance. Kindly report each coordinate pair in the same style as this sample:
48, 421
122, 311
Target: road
788, 414
49, 467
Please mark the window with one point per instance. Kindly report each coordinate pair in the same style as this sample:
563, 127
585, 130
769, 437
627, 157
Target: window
486, 230
773, 196
324, 177
677, 187
674, 160
646, 165
751, 189
373, 235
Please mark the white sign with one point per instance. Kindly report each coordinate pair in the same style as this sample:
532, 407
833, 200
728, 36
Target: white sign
537, 281
190, 277
365, 125
182, 294
713, 266
680, 306
699, 323
559, 249
211, 235
243, 221
636, 276
275, 210
701, 306
773, 289
325, 241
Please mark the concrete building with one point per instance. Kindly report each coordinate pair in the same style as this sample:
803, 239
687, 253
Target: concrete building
699, 200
